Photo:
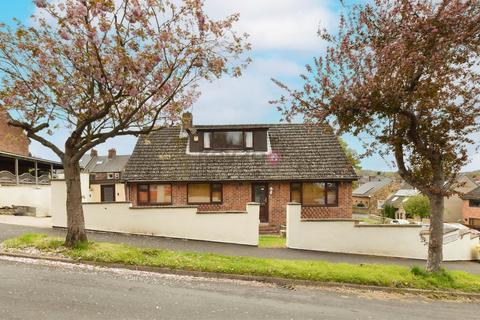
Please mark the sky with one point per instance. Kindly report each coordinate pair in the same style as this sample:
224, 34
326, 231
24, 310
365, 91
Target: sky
284, 38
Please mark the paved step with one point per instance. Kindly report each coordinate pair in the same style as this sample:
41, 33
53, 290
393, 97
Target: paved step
268, 229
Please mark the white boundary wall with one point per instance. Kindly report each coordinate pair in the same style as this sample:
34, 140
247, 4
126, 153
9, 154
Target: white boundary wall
27, 195
174, 222
347, 236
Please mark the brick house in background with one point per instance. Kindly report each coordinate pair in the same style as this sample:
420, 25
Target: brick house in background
370, 196
223, 167
471, 208
106, 182
12, 139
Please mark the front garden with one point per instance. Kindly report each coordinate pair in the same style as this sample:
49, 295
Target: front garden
392, 276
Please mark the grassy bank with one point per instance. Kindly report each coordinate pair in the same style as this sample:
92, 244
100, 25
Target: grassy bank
367, 274
271, 241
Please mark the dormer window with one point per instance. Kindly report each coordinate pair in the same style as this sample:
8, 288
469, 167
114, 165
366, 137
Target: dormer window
228, 140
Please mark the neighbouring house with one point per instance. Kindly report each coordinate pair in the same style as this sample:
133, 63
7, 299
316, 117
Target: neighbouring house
221, 168
24, 180
370, 196
12, 140
471, 208
454, 204
106, 182
398, 199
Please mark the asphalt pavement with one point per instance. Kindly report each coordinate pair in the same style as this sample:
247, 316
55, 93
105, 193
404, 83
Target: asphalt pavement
37, 289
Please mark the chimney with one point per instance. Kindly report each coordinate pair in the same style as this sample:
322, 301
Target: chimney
112, 153
187, 120
187, 124
93, 153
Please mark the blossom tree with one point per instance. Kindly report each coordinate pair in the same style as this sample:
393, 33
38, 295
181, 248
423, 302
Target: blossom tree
407, 74
103, 68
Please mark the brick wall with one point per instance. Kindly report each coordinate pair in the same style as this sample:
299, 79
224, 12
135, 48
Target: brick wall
278, 199
237, 194
469, 212
12, 139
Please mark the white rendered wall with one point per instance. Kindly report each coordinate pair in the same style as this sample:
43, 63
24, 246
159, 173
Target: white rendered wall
27, 195
174, 222
346, 236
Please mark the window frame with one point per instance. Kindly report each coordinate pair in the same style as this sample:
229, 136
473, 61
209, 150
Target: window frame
243, 132
102, 192
326, 189
210, 184
301, 191
210, 136
149, 201
471, 203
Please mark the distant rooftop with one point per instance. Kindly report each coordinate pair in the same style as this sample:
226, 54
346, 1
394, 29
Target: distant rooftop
369, 188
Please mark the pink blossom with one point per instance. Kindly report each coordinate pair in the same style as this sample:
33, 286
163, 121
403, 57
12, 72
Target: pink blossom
64, 35
133, 92
79, 11
40, 3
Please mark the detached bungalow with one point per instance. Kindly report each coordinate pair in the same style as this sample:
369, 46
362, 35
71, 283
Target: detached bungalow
223, 167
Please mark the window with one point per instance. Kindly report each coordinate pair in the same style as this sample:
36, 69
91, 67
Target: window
296, 192
107, 193
474, 222
217, 193
151, 194
207, 137
142, 194
160, 193
228, 140
248, 139
110, 175
474, 203
205, 193
314, 193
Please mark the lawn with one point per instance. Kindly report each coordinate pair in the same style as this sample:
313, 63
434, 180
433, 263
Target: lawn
271, 241
367, 274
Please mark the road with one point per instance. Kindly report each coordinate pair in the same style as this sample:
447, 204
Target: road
32, 289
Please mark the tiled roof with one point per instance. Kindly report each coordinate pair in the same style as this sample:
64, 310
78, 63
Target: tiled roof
105, 164
472, 195
304, 153
369, 188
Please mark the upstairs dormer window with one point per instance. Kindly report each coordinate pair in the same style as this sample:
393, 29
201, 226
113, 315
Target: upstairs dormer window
228, 140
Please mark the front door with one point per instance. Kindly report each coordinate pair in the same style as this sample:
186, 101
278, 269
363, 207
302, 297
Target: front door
260, 195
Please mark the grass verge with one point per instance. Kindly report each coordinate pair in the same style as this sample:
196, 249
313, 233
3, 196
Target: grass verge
366, 274
271, 241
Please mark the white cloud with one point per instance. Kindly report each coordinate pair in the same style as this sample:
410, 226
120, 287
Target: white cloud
278, 25
244, 100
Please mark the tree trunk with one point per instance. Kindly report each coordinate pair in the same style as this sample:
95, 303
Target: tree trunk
75, 220
435, 243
